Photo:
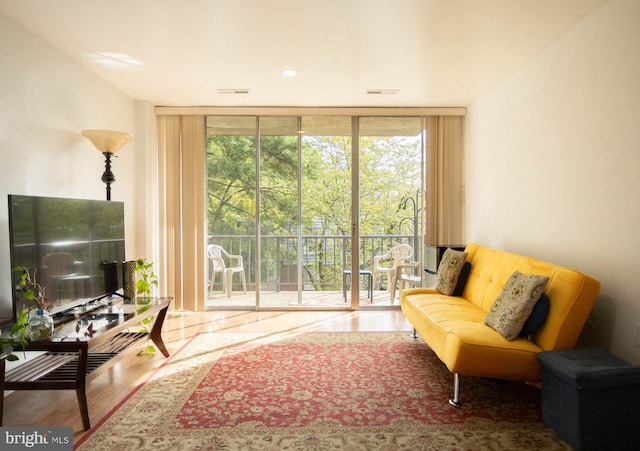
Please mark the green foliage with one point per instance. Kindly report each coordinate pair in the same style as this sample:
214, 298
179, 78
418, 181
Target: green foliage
148, 350
31, 289
390, 170
146, 325
18, 328
147, 279
231, 184
144, 284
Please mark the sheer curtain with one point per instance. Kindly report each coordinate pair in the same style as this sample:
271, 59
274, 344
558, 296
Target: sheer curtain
181, 209
444, 200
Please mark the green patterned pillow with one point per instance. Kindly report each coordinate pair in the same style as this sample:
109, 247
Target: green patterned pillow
449, 270
515, 303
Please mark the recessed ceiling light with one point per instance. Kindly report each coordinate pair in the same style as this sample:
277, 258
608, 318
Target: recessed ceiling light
289, 73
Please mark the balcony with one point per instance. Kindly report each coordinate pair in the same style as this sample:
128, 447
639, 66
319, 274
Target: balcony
324, 259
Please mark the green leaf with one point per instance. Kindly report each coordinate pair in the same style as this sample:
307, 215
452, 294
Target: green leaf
147, 278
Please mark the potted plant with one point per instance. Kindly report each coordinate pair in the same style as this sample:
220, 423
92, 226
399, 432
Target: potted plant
35, 327
147, 279
145, 282
40, 325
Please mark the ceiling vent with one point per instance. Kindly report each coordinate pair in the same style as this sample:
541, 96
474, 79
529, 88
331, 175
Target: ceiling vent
233, 91
382, 91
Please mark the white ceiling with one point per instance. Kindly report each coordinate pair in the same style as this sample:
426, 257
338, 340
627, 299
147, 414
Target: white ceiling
181, 52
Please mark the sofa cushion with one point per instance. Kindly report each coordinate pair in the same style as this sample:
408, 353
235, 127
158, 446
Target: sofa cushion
538, 315
515, 303
462, 279
449, 270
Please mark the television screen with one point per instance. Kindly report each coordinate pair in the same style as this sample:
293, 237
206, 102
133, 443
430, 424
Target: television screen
65, 243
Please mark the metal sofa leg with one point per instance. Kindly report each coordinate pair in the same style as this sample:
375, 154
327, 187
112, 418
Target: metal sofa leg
415, 333
455, 401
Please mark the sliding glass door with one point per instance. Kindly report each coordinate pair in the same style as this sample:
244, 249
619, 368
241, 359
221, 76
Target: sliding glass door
282, 195
305, 189
231, 210
391, 170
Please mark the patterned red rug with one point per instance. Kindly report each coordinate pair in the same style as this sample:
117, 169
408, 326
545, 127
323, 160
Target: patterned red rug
339, 390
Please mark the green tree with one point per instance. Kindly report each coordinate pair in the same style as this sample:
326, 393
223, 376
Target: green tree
231, 175
390, 169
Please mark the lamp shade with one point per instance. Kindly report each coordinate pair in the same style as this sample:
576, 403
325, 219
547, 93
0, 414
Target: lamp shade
109, 141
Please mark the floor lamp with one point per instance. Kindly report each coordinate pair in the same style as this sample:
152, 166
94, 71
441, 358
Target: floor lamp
107, 142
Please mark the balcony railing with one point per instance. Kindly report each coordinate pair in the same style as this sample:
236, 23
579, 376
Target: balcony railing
323, 257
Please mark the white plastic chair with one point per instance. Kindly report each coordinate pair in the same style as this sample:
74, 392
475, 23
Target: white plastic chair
388, 264
407, 273
217, 257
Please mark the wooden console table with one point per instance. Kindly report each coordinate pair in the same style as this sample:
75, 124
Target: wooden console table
71, 355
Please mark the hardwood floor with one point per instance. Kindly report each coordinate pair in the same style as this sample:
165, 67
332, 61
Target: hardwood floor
108, 386
279, 299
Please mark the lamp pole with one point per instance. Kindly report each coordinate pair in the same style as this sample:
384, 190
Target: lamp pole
416, 210
108, 177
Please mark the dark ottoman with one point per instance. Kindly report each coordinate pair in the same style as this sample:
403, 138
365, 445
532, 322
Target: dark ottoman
591, 398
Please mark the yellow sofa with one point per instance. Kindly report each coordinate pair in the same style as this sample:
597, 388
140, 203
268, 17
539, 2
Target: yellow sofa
454, 327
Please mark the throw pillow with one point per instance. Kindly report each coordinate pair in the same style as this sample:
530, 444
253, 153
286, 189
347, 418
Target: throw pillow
515, 303
449, 270
462, 279
538, 315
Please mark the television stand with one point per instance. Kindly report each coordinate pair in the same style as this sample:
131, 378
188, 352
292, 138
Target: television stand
71, 355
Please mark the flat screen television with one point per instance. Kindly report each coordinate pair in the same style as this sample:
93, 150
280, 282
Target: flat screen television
68, 243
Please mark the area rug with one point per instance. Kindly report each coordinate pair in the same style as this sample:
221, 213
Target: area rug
319, 391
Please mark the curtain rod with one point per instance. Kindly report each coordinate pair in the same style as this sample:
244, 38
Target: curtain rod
312, 111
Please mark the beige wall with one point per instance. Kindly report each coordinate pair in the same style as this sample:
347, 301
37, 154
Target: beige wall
45, 101
552, 165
